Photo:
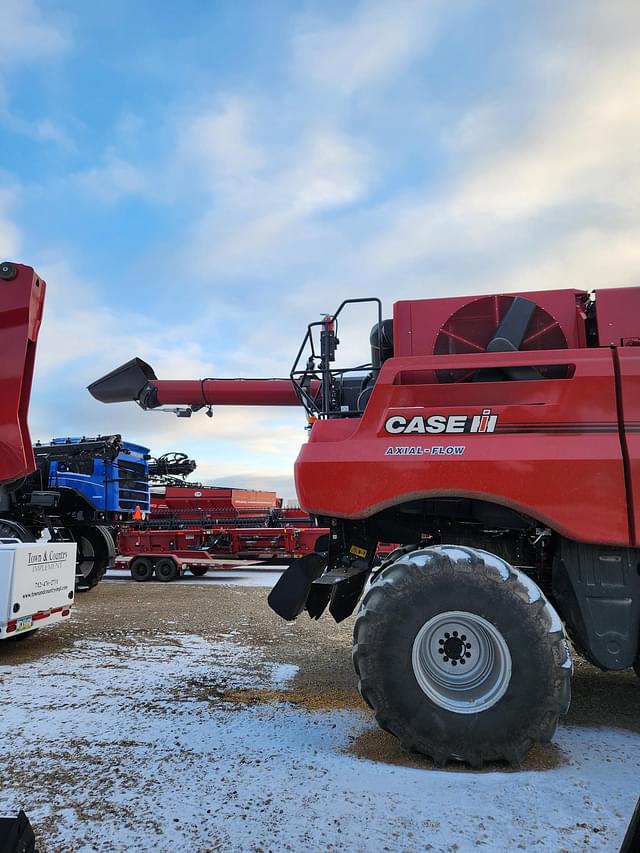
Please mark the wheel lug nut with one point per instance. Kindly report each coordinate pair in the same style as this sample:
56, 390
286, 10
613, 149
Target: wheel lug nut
455, 633
454, 663
462, 660
468, 645
446, 635
467, 654
463, 638
445, 658
441, 642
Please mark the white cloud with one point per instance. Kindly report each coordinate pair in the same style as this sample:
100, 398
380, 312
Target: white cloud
378, 40
26, 36
115, 180
218, 142
10, 233
563, 186
260, 205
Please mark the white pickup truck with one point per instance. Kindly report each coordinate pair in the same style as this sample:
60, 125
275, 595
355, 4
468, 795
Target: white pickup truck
36, 584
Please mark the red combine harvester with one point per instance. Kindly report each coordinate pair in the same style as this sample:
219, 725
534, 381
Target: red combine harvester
498, 439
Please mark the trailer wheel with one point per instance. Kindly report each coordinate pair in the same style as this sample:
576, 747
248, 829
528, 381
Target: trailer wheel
166, 570
461, 656
198, 571
141, 569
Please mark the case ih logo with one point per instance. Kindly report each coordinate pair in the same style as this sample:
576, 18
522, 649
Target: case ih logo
441, 424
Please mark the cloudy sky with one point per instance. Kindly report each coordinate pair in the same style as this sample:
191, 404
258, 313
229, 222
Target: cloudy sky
199, 180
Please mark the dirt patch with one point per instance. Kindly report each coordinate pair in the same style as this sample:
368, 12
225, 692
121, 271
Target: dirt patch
377, 745
309, 700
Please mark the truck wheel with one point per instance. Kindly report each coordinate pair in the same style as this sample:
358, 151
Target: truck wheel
141, 569
96, 552
15, 530
198, 571
461, 656
166, 569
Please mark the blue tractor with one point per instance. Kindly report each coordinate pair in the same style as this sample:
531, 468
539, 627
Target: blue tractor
81, 490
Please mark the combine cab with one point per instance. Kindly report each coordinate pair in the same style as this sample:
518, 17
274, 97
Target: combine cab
496, 438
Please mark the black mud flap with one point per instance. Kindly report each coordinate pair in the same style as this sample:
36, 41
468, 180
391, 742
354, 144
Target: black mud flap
289, 595
16, 835
345, 595
340, 590
318, 598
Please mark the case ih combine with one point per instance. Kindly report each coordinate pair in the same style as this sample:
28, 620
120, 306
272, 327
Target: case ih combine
498, 439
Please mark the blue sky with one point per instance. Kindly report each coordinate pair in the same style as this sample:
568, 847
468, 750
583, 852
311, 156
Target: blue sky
198, 181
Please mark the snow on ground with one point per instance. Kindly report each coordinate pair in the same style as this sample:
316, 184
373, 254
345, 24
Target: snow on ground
112, 747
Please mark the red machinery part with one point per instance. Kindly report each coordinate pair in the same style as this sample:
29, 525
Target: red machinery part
211, 542
225, 392
21, 303
136, 380
212, 501
567, 456
425, 326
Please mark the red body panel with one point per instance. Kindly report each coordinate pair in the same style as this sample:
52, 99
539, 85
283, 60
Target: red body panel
21, 305
618, 313
629, 362
555, 455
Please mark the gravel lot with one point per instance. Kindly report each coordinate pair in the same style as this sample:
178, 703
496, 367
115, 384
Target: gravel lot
189, 716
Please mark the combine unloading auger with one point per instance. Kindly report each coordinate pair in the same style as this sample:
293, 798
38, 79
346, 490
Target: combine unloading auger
136, 380
478, 436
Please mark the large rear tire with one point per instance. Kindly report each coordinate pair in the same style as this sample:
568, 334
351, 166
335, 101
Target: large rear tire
461, 656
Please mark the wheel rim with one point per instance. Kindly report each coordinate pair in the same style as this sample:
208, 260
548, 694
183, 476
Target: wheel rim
461, 661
